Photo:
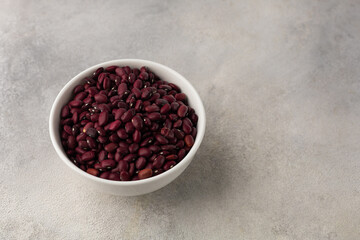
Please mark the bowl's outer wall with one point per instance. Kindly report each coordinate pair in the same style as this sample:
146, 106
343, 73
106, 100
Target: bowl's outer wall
137, 187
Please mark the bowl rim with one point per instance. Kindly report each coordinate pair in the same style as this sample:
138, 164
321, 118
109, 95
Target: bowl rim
125, 62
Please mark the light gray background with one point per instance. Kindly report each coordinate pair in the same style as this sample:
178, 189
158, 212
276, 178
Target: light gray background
280, 81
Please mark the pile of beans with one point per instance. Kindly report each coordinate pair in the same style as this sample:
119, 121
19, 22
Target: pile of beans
126, 124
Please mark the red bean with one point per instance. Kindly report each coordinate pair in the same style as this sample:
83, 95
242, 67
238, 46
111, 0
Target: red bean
71, 142
137, 122
154, 116
105, 175
111, 147
140, 163
128, 115
75, 103
159, 161
172, 157
181, 154
108, 164
115, 125
100, 98
154, 148
78, 88
165, 108
124, 176
182, 111
145, 173
91, 143
180, 97
152, 108
161, 139
175, 106
130, 157
186, 128
129, 128
189, 140
87, 156
122, 133
169, 98
137, 136
103, 118
92, 171
168, 165
133, 148
122, 166
114, 176
144, 152
102, 155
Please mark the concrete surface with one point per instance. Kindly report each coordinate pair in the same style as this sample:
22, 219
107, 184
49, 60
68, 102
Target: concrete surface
281, 85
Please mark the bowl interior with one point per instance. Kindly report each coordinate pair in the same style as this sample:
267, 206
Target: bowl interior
164, 73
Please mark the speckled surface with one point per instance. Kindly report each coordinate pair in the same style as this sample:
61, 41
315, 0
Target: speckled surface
280, 82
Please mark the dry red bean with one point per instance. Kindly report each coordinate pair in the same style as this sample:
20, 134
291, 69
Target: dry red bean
128, 115
146, 141
122, 166
145, 173
177, 124
102, 139
180, 97
179, 134
71, 142
118, 113
168, 147
129, 128
133, 148
87, 156
136, 92
140, 163
122, 133
154, 148
131, 169
172, 157
168, 165
137, 136
106, 83
91, 143
105, 175
108, 164
173, 117
186, 128
111, 147
175, 106
161, 139
181, 154
114, 138
100, 98
194, 132
130, 157
189, 140
115, 125
138, 122
114, 176
81, 96
103, 118
152, 108
91, 132
78, 88
102, 155
94, 118
182, 111
75, 103
144, 152
67, 129
165, 108
92, 171
138, 105
180, 144
154, 116
158, 162
124, 176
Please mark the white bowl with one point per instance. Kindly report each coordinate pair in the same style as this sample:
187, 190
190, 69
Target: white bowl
139, 187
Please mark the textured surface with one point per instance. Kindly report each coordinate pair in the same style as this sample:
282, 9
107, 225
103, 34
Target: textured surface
280, 82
